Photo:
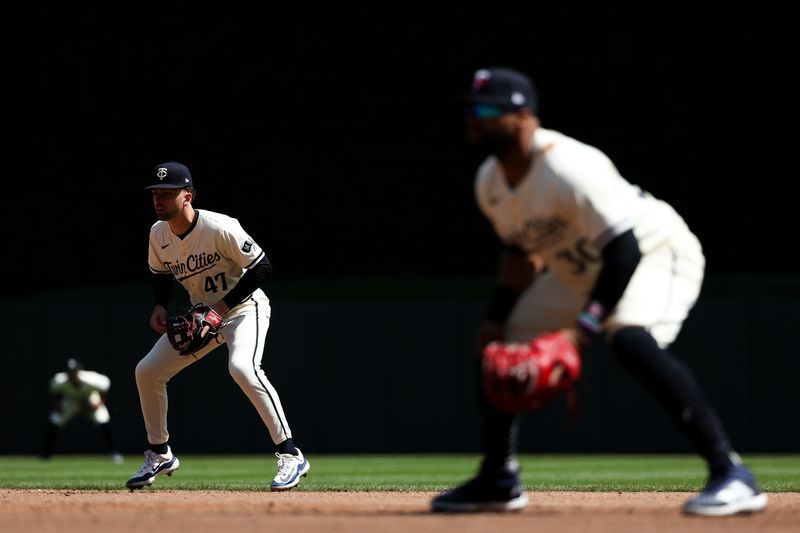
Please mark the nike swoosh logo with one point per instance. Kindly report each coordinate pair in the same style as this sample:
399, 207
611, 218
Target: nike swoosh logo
163, 465
164, 246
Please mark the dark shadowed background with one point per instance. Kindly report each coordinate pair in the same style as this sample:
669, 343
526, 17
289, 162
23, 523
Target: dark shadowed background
335, 136
338, 141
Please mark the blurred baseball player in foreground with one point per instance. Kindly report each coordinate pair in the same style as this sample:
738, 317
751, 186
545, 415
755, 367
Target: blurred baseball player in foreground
585, 252
79, 392
221, 267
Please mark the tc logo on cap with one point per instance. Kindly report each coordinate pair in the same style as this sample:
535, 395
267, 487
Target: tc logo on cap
481, 78
170, 175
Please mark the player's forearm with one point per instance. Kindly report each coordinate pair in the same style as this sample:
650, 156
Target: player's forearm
621, 256
515, 274
517, 270
250, 281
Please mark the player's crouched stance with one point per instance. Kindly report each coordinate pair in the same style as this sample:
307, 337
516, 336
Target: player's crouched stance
221, 267
585, 253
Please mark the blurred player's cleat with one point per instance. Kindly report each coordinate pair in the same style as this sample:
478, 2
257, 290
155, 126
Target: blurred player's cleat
290, 469
154, 465
735, 491
484, 493
116, 458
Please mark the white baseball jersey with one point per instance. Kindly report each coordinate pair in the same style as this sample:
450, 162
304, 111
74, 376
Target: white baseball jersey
209, 261
76, 400
89, 382
571, 202
569, 205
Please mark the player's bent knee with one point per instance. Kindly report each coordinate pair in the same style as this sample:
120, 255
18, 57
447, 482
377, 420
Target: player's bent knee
630, 336
636, 349
240, 374
145, 373
631, 339
141, 371
56, 419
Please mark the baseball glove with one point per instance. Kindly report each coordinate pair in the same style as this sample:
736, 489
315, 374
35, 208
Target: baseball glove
520, 377
192, 330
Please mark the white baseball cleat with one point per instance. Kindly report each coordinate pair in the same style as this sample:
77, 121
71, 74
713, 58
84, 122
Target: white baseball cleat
734, 492
290, 469
154, 465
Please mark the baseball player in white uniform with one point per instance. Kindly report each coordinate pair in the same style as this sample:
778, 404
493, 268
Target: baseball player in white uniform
220, 265
77, 391
585, 252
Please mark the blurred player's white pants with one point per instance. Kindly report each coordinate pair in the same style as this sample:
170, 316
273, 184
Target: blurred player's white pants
92, 406
244, 331
662, 291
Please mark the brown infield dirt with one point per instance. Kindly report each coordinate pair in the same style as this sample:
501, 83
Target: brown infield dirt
67, 511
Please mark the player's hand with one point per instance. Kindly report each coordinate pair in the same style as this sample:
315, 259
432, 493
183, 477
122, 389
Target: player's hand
158, 320
488, 332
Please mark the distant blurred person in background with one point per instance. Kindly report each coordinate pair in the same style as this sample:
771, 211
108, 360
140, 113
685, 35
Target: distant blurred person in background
79, 392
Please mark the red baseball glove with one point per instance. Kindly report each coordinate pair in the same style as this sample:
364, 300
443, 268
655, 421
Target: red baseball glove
520, 377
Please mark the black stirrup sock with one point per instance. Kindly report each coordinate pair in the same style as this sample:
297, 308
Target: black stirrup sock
108, 437
498, 434
159, 448
499, 437
287, 446
675, 388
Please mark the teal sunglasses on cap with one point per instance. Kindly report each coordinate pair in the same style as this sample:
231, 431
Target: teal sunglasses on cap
487, 111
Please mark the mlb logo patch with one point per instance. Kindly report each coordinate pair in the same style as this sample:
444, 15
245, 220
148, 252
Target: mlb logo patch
247, 245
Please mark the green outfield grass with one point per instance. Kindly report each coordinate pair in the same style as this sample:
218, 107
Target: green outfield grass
625, 473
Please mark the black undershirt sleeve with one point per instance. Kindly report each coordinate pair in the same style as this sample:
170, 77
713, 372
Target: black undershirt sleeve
621, 256
162, 288
503, 298
251, 280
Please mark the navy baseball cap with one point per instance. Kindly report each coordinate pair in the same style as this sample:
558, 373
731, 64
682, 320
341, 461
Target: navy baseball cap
502, 87
170, 175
